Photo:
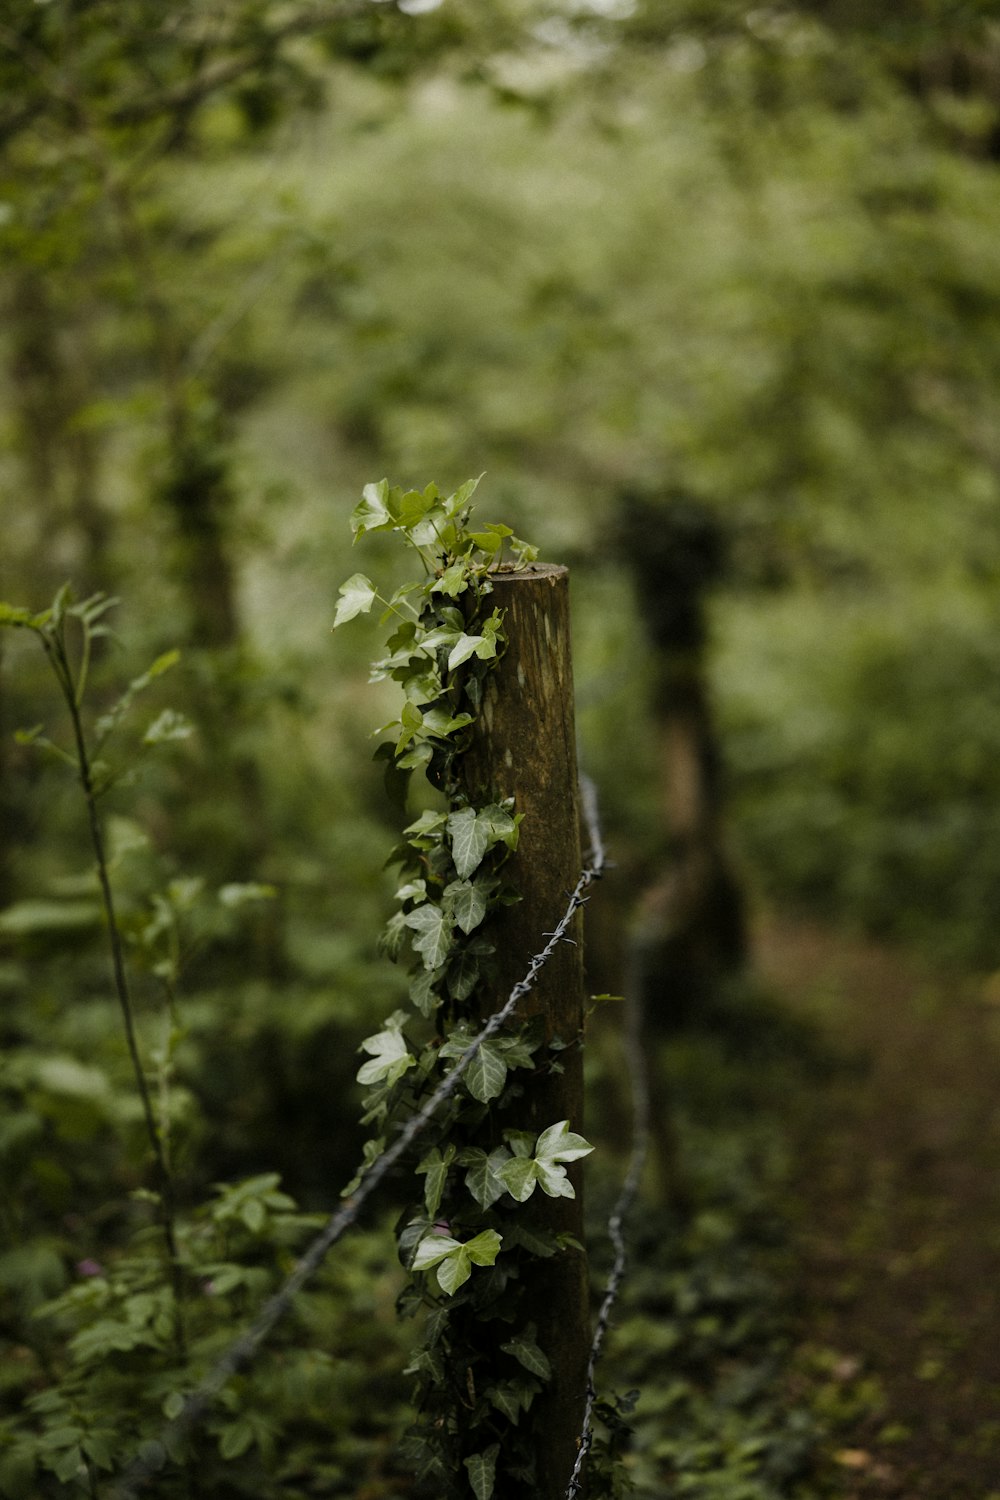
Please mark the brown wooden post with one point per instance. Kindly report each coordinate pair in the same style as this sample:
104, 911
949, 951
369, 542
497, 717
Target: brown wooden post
526, 749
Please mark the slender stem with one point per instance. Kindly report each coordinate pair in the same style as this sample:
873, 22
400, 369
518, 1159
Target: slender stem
84, 668
165, 1070
413, 616
445, 553
55, 645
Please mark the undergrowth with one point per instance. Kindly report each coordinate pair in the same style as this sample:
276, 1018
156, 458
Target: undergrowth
721, 1401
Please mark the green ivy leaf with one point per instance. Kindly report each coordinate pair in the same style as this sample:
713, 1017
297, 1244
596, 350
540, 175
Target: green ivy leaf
440, 723
523, 552
390, 1056
466, 901
463, 975
482, 1468
517, 1052
487, 1073
469, 840
421, 833
372, 511
402, 644
392, 935
435, 1166
357, 596
483, 646
443, 635
419, 756
460, 499
453, 581
506, 1402
512, 1397
489, 541
542, 1164
558, 1144
432, 531
411, 508
410, 722
453, 1260
423, 992
463, 648
501, 826
519, 1177
433, 933
521, 1142
429, 1362
527, 1353
536, 1241
423, 686
483, 1178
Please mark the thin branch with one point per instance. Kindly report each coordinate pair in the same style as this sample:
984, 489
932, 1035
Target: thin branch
54, 642
185, 97
181, 98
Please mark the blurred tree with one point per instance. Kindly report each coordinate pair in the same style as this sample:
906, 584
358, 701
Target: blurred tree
122, 312
96, 99
736, 260
692, 932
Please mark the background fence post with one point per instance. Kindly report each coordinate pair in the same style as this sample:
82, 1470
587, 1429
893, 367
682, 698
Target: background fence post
525, 748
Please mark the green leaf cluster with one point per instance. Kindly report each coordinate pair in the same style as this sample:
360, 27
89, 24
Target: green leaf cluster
440, 623
117, 1373
117, 1298
67, 632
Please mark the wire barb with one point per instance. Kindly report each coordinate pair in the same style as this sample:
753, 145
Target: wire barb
638, 1077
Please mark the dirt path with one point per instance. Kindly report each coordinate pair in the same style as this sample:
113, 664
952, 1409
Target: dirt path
897, 1201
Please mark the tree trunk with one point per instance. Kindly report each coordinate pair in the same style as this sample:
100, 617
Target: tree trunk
690, 938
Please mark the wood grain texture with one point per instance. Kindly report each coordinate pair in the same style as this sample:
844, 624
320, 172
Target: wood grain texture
525, 748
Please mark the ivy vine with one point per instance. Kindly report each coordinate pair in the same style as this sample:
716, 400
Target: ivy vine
478, 1365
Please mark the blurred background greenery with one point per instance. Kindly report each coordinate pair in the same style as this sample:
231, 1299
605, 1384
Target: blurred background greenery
741, 261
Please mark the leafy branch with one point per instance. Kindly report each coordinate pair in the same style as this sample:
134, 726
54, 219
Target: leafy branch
52, 628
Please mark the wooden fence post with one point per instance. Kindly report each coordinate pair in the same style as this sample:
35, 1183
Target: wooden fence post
525, 748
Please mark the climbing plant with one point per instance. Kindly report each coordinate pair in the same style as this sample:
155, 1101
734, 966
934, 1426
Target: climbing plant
467, 1248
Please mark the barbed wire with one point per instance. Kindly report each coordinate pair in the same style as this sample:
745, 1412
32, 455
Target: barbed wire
242, 1350
639, 1081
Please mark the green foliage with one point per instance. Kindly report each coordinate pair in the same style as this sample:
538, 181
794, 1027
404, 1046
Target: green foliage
115, 1379
746, 254
863, 760
118, 1295
703, 1356
451, 866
